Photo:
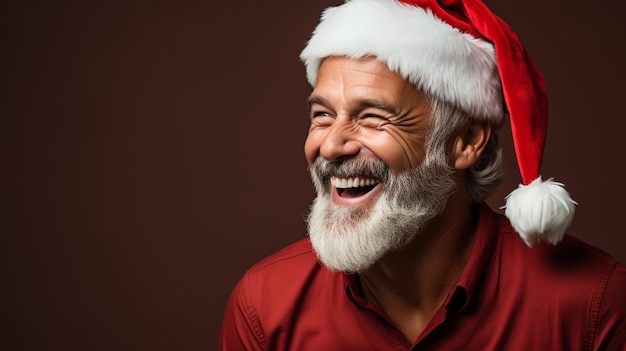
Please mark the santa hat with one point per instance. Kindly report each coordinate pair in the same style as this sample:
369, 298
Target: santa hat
462, 53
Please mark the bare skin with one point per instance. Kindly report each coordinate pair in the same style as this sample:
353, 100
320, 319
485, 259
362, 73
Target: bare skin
359, 108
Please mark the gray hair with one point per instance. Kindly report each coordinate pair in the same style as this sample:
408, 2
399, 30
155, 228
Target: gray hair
488, 171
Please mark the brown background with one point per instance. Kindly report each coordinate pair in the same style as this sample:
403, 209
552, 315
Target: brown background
152, 152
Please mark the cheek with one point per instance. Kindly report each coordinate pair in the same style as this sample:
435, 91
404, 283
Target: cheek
312, 146
391, 148
391, 153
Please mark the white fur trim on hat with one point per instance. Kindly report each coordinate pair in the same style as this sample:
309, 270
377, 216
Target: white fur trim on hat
540, 211
438, 58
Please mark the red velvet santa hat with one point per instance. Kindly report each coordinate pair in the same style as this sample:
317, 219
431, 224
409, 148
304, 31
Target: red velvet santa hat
460, 52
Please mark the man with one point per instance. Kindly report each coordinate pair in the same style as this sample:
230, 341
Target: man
402, 251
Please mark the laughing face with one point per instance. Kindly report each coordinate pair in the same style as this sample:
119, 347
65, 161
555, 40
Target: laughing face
360, 108
376, 187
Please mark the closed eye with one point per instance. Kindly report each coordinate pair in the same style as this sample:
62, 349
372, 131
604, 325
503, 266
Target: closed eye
373, 120
372, 115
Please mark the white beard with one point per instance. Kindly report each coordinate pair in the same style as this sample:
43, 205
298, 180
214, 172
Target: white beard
350, 239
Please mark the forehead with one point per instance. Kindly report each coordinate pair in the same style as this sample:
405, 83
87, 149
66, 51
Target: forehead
361, 78
362, 68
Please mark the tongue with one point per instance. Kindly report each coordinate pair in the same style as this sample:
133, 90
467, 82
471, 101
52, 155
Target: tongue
355, 192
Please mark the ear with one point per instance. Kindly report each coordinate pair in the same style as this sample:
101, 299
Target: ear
469, 144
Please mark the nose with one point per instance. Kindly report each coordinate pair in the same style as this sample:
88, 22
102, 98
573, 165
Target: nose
340, 141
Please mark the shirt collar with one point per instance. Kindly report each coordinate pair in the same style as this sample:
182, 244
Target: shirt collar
483, 247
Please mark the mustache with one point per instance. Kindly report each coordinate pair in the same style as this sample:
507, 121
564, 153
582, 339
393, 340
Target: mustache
323, 169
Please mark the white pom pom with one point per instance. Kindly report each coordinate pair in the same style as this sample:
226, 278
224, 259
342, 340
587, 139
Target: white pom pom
540, 211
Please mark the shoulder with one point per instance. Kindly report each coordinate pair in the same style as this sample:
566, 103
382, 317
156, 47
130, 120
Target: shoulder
609, 310
284, 277
571, 274
268, 294
577, 280
571, 271
570, 258
294, 260
299, 251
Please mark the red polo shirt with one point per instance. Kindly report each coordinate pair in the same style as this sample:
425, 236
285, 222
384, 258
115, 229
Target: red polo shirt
509, 297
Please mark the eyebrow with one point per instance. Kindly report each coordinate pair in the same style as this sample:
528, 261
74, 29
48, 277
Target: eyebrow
363, 103
381, 105
316, 100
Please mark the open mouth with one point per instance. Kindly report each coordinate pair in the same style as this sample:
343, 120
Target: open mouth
353, 187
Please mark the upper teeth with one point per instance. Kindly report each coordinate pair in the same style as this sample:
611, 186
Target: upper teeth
353, 182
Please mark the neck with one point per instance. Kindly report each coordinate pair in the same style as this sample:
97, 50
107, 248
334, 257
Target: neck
411, 284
